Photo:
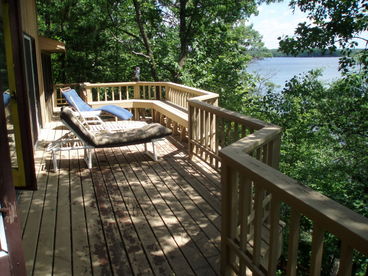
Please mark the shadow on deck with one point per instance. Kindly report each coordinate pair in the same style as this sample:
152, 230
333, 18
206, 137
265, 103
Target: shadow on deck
128, 215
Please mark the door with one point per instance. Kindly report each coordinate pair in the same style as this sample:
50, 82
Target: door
32, 85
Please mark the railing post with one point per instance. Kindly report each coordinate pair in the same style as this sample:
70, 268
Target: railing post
136, 91
274, 152
87, 92
167, 93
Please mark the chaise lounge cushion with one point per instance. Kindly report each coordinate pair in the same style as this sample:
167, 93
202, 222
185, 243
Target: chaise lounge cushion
113, 139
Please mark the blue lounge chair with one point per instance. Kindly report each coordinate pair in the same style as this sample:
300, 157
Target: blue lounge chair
87, 112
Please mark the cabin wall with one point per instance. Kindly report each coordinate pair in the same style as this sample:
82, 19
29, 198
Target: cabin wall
29, 26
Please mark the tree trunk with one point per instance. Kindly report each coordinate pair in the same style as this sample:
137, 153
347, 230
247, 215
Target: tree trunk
146, 42
183, 34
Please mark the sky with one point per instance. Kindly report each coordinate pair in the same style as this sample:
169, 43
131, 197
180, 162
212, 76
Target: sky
277, 19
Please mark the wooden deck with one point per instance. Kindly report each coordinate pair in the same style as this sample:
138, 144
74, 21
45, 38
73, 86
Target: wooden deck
126, 216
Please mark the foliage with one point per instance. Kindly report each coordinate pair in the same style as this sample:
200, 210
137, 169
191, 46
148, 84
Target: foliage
203, 43
325, 139
313, 53
334, 24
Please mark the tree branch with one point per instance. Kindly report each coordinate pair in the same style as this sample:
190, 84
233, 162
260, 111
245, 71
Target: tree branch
141, 54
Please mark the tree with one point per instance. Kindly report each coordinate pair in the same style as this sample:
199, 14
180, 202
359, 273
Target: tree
324, 144
202, 43
334, 24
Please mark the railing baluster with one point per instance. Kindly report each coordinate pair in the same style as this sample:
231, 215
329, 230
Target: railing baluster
202, 131
196, 128
258, 221
236, 132
119, 93
258, 154
245, 196
293, 243
243, 131
222, 132
265, 153
227, 136
206, 133
212, 136
274, 235
317, 250
346, 260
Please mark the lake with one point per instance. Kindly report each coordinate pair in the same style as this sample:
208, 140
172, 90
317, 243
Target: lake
280, 69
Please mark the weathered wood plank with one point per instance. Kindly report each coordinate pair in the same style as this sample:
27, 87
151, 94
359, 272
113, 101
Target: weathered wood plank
117, 254
25, 197
45, 249
208, 191
167, 242
197, 235
81, 257
136, 253
163, 214
62, 250
34, 202
211, 176
174, 184
98, 249
204, 202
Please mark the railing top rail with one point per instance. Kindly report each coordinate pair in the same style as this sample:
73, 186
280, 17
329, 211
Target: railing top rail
232, 115
327, 213
59, 85
116, 84
192, 90
188, 89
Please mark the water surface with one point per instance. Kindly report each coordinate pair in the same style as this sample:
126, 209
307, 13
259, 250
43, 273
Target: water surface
280, 69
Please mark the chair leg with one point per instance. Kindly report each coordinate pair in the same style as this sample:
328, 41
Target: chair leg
88, 157
152, 154
54, 161
154, 151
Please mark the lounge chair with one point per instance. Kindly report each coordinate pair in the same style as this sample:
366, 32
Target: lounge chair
88, 140
91, 115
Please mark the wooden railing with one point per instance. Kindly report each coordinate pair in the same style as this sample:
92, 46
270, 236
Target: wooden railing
246, 185
165, 91
212, 128
247, 153
164, 102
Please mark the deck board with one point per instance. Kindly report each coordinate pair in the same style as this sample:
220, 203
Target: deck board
128, 215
